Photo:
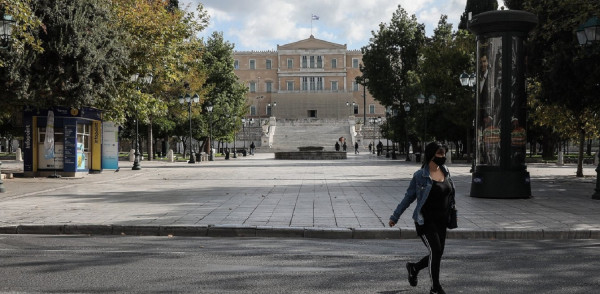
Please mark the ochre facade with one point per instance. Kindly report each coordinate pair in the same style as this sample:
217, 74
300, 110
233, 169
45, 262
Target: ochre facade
308, 79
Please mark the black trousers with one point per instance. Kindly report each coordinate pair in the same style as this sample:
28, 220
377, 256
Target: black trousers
433, 235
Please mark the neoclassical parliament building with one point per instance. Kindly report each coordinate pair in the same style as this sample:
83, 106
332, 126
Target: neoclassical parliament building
310, 78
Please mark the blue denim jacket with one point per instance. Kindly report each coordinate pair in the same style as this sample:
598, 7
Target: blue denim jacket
419, 189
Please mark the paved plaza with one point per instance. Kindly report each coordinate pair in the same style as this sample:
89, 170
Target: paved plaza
260, 196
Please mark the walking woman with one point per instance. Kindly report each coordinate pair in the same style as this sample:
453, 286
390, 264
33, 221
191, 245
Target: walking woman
434, 191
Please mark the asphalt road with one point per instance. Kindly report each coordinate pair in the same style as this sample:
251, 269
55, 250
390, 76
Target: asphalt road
117, 264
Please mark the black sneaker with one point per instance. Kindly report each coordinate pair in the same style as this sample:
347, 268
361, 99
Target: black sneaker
438, 291
412, 274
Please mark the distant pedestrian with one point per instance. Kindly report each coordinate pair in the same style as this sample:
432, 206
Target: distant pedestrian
344, 147
337, 146
356, 148
252, 147
434, 191
379, 148
370, 146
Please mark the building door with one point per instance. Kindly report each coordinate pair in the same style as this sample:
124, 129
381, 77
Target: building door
312, 113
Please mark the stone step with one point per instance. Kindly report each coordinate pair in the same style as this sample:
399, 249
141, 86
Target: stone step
290, 137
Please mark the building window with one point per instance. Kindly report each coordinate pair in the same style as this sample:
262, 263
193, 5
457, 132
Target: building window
355, 108
269, 86
355, 62
269, 64
252, 87
252, 110
236, 64
312, 83
290, 85
290, 63
334, 86
371, 108
334, 63
252, 64
312, 61
354, 86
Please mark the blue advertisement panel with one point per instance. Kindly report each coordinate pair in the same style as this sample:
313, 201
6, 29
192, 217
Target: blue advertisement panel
28, 142
110, 145
70, 150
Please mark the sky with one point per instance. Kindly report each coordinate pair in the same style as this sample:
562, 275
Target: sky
261, 25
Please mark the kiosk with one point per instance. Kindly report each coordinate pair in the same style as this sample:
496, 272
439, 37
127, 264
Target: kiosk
62, 141
500, 170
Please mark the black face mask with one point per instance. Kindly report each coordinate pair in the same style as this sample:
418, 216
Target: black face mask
439, 160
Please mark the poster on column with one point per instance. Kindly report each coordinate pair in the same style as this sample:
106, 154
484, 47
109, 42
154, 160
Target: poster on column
110, 145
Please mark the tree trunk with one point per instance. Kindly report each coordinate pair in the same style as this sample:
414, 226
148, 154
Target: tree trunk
150, 141
580, 157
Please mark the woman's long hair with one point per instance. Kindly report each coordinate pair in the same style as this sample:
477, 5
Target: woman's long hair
430, 151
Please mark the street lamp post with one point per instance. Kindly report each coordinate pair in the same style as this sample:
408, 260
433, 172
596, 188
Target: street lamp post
234, 135
136, 154
589, 34
407, 110
259, 98
5, 38
372, 121
365, 102
467, 80
244, 121
422, 100
136, 161
209, 108
6, 30
188, 99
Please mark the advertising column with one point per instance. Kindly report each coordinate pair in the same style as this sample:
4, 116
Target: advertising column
500, 170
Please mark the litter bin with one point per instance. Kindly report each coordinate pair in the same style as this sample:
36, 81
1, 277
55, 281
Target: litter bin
417, 157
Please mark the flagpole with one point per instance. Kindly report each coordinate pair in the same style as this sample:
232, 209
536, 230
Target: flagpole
311, 20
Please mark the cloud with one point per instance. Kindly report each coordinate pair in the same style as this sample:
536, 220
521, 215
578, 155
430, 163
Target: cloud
263, 24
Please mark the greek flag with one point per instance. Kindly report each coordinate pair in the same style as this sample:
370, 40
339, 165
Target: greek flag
315, 17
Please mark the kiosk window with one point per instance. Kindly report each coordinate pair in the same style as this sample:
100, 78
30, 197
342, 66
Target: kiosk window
59, 135
83, 136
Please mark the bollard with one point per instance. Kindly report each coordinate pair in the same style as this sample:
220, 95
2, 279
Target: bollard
170, 156
561, 160
19, 155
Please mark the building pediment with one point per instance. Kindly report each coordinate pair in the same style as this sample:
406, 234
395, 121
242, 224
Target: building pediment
311, 43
